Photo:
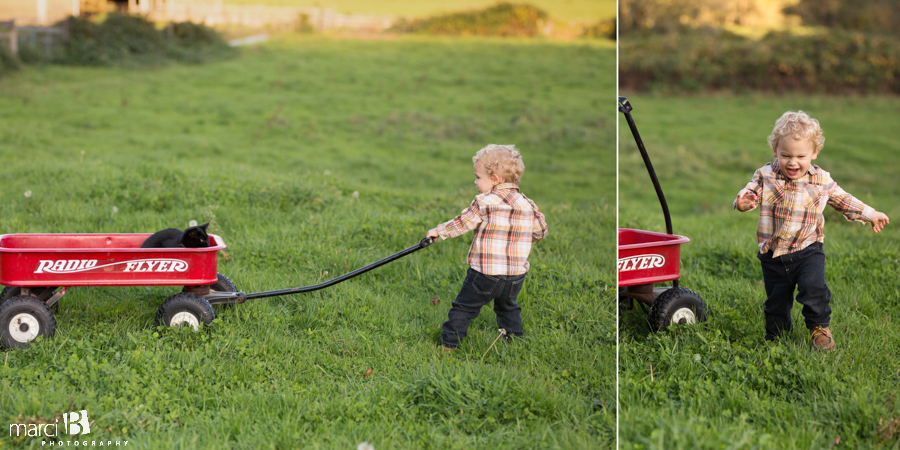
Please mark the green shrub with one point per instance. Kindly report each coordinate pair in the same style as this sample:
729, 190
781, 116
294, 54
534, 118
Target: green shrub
194, 42
837, 61
8, 62
503, 19
132, 39
604, 29
872, 15
120, 38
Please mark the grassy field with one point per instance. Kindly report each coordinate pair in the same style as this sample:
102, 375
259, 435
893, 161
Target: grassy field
311, 157
719, 385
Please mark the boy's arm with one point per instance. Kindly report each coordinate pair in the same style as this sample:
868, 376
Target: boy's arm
853, 209
466, 221
748, 198
539, 227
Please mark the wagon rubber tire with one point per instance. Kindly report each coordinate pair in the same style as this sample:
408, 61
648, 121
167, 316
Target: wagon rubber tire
676, 306
223, 284
185, 308
42, 293
9, 292
24, 318
626, 303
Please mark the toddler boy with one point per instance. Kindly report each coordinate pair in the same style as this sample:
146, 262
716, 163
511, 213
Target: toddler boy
505, 223
792, 194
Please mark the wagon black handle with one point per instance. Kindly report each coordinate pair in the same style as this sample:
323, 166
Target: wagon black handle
422, 244
624, 105
626, 108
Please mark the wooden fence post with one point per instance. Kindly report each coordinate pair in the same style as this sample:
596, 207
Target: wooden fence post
13, 41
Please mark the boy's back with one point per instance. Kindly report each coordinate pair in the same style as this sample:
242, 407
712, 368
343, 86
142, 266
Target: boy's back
505, 224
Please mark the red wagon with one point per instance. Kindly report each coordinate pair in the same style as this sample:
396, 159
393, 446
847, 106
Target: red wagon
646, 258
38, 269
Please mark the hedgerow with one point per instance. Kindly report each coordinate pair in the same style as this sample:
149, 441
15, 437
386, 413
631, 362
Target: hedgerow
602, 29
503, 19
132, 39
8, 61
834, 62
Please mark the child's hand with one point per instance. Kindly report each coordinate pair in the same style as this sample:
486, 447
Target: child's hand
433, 233
746, 201
879, 220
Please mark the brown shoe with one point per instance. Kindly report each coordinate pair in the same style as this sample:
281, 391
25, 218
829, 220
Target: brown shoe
822, 339
448, 349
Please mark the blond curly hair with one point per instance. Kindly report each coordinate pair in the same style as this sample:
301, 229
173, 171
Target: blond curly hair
797, 125
502, 160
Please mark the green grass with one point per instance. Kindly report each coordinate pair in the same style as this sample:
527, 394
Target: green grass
312, 157
718, 384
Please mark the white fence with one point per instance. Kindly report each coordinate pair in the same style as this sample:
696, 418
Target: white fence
40, 39
319, 19
209, 12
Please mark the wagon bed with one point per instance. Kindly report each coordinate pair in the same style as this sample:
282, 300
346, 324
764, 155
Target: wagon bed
102, 260
647, 257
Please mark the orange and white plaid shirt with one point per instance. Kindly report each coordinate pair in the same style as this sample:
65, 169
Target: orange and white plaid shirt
505, 223
790, 218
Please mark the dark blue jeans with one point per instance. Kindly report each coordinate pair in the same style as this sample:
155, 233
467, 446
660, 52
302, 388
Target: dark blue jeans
478, 290
805, 270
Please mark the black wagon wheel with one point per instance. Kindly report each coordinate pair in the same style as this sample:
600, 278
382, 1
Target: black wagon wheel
22, 319
223, 284
42, 293
185, 308
676, 306
626, 303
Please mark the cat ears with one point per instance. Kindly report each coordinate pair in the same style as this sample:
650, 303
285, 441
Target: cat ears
204, 226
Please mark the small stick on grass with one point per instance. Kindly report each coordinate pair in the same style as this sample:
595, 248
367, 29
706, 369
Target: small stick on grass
502, 333
651, 371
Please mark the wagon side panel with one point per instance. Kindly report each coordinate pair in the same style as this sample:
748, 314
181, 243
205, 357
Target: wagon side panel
646, 257
92, 266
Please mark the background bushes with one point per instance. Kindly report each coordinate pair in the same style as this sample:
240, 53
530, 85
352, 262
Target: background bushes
836, 61
120, 39
881, 16
504, 19
124, 38
8, 61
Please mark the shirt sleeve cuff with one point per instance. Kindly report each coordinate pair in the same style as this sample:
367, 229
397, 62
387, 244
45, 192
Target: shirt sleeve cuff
442, 231
867, 213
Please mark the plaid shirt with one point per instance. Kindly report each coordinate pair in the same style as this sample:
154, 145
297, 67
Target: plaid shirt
505, 223
790, 218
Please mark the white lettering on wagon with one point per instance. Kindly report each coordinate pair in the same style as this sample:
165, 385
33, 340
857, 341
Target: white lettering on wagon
641, 262
63, 266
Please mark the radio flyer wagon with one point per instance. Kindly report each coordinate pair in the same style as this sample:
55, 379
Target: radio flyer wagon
38, 269
646, 258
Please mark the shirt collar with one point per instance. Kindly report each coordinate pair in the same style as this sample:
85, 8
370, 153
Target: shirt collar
506, 187
813, 170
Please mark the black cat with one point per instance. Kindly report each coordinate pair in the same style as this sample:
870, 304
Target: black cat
192, 237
